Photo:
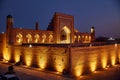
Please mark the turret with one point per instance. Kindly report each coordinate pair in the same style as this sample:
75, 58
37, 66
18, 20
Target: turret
9, 21
92, 34
9, 27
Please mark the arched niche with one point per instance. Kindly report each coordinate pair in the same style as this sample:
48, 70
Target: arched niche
43, 38
50, 38
19, 38
65, 35
37, 38
29, 38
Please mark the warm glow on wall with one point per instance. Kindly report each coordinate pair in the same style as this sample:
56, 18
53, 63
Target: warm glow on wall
28, 58
78, 70
6, 54
93, 66
104, 60
17, 56
42, 61
113, 58
59, 65
93, 61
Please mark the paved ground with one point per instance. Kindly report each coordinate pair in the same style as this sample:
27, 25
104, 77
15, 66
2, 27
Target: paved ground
112, 73
32, 74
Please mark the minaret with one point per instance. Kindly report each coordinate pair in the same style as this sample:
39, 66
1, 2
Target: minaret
92, 34
36, 26
9, 27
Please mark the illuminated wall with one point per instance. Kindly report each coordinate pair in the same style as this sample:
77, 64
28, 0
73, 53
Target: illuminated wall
59, 58
85, 60
41, 57
77, 60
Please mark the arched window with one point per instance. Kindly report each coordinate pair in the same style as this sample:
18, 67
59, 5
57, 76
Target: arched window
51, 38
82, 36
36, 38
78, 38
75, 38
86, 38
89, 38
43, 38
19, 38
29, 38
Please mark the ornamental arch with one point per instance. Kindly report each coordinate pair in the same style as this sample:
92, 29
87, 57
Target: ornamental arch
65, 35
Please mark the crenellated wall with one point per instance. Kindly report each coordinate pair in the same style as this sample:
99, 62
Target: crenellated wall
77, 60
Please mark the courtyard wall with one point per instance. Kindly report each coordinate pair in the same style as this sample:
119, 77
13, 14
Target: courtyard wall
85, 60
76, 61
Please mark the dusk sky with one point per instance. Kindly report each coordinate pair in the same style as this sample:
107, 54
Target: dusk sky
104, 15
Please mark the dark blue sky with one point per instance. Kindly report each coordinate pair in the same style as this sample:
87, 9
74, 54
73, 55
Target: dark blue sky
104, 15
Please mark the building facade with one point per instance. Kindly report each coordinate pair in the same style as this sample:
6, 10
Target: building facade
60, 58
59, 31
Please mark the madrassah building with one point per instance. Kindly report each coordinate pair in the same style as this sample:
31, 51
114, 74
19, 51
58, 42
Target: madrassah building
60, 30
17, 42
57, 49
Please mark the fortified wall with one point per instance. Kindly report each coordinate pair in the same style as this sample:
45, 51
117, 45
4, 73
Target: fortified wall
76, 61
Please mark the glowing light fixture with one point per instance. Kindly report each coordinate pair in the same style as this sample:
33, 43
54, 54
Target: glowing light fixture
90, 45
30, 45
115, 44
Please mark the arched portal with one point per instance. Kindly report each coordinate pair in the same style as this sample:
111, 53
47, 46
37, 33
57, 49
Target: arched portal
65, 35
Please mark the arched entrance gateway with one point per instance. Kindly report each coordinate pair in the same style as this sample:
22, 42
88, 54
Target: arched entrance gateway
65, 35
